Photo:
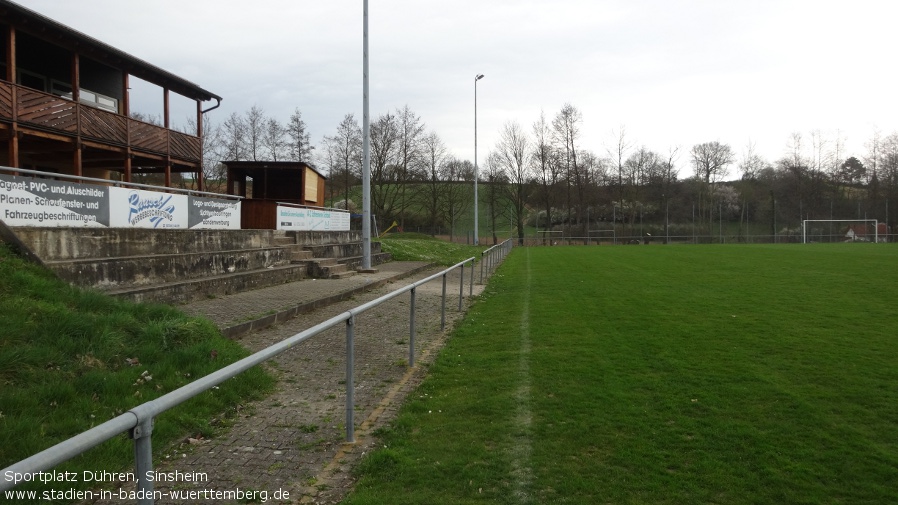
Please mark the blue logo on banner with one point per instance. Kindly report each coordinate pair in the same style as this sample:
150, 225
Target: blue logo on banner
156, 209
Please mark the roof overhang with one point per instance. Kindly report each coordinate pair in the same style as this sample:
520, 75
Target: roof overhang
40, 26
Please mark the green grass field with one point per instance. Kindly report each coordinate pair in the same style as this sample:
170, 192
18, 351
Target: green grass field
662, 374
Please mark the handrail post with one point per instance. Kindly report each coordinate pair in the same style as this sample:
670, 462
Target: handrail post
411, 332
142, 434
443, 309
461, 286
350, 381
481, 267
471, 284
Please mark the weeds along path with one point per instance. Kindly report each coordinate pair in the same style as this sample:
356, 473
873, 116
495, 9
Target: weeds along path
294, 440
521, 446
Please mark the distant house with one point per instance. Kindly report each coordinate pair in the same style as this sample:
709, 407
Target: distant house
64, 105
866, 232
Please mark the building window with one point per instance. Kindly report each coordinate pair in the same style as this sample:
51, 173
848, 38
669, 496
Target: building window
32, 80
87, 96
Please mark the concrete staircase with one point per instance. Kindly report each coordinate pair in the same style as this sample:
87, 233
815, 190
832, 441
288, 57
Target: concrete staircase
178, 266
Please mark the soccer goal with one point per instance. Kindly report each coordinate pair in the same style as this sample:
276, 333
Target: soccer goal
839, 230
598, 234
550, 237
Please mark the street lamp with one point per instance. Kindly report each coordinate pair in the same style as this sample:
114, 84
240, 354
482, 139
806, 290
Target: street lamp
476, 175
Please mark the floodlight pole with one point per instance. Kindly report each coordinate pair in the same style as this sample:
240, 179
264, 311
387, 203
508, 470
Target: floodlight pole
366, 151
476, 174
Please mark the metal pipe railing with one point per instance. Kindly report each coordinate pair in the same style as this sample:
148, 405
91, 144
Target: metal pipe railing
492, 257
121, 184
138, 422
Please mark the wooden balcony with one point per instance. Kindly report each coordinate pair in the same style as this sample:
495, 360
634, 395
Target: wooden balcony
44, 112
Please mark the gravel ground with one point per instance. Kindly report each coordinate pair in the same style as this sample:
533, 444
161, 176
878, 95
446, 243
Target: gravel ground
294, 440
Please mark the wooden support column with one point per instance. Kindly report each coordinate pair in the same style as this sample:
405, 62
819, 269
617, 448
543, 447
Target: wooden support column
168, 171
166, 114
76, 97
76, 159
13, 160
199, 133
167, 120
126, 111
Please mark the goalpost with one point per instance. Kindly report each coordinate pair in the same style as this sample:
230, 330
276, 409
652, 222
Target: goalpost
589, 234
805, 225
547, 235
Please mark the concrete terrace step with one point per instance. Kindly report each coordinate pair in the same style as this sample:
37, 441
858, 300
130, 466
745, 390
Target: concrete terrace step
211, 286
252, 310
340, 250
141, 270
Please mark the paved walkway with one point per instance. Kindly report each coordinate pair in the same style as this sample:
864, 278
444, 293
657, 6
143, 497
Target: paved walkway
253, 310
294, 439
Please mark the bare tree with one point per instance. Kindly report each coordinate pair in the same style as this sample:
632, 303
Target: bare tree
545, 163
637, 171
385, 177
752, 163
344, 153
618, 152
214, 175
496, 193
410, 130
511, 154
300, 143
273, 139
711, 161
434, 156
233, 135
255, 124
455, 197
566, 127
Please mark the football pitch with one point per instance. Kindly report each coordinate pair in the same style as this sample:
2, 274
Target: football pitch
660, 374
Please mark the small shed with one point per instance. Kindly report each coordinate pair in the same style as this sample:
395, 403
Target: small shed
263, 184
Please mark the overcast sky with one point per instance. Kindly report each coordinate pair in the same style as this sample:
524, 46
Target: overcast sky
672, 72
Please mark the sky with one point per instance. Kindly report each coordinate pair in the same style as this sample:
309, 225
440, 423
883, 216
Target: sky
670, 74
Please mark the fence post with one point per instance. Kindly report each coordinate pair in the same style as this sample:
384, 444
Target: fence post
471, 285
350, 381
481, 267
142, 434
411, 333
461, 286
443, 313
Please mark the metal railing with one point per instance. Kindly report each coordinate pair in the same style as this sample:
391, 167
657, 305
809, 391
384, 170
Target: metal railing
120, 184
492, 257
138, 422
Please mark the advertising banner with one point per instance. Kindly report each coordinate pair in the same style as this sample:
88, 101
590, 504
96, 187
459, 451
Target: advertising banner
294, 218
213, 214
30, 201
27, 201
135, 208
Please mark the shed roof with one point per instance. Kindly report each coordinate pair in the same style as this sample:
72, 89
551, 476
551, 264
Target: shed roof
273, 165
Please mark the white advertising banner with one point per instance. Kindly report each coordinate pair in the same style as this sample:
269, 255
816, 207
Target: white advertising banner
299, 219
29, 201
135, 208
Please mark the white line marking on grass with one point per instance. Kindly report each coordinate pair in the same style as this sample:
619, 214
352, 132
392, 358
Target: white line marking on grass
521, 443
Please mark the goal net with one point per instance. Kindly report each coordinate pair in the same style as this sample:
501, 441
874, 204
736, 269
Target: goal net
841, 230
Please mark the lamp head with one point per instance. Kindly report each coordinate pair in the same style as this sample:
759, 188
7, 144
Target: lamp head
478, 77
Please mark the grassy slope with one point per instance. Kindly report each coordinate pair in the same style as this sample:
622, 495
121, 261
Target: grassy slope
418, 247
699, 374
63, 367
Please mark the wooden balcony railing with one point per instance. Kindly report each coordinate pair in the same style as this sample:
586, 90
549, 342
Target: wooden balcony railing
55, 114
